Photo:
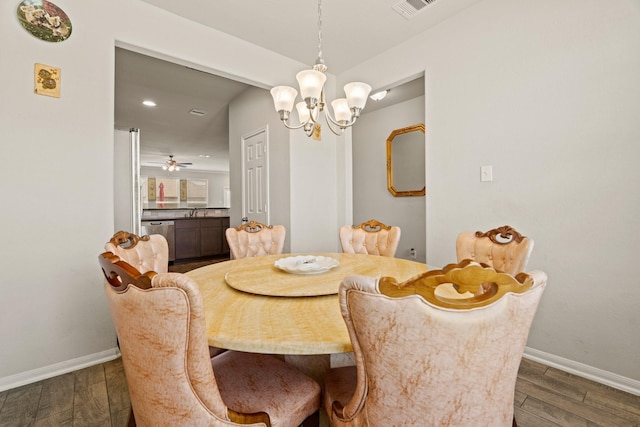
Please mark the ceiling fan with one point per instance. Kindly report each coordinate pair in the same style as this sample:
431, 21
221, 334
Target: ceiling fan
171, 165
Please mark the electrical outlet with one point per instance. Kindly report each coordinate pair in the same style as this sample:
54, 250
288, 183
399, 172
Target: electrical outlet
413, 253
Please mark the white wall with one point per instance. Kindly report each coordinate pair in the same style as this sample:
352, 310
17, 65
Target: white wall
249, 112
316, 190
548, 93
53, 316
371, 199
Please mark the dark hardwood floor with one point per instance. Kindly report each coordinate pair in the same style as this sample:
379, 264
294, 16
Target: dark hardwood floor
98, 396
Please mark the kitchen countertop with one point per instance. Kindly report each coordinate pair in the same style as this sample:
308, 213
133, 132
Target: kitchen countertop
182, 218
182, 213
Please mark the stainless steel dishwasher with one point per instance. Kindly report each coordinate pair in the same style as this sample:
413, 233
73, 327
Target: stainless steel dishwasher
167, 229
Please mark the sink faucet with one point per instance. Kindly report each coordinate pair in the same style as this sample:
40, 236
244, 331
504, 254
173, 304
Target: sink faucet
194, 212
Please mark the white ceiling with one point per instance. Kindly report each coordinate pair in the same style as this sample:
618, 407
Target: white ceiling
352, 31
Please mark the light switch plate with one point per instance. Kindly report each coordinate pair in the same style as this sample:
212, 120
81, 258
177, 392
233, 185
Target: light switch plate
486, 173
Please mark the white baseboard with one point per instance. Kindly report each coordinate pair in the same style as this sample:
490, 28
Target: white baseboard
17, 380
589, 372
585, 371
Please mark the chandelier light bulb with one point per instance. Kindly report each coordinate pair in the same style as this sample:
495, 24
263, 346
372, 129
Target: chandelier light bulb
357, 93
341, 110
311, 83
283, 98
303, 112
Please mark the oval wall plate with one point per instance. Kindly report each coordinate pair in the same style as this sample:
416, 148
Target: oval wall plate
44, 20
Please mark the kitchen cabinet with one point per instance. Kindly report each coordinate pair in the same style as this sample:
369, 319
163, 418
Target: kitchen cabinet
187, 238
201, 237
210, 236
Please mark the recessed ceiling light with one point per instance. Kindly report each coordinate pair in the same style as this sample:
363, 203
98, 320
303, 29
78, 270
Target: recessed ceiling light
378, 96
206, 156
148, 103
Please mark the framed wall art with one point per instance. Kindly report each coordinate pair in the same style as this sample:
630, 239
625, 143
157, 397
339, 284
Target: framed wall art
44, 20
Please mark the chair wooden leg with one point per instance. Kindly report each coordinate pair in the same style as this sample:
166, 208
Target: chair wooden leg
132, 419
312, 420
514, 424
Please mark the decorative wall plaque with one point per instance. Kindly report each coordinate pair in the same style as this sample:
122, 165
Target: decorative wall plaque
151, 186
44, 20
183, 190
46, 80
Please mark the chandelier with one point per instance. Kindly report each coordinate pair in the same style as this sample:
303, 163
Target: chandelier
346, 110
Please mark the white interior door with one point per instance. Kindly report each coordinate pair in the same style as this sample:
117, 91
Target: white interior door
255, 176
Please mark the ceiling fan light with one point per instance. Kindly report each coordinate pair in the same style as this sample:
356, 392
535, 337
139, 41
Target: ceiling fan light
164, 167
357, 93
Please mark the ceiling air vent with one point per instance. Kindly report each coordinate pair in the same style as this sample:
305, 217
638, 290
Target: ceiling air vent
198, 113
409, 8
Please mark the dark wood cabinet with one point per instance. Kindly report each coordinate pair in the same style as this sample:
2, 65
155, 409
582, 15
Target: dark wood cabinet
187, 238
225, 244
201, 237
210, 236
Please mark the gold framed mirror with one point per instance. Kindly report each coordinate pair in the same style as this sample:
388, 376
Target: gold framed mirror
406, 162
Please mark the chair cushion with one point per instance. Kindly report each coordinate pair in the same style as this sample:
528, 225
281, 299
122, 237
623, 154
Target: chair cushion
244, 387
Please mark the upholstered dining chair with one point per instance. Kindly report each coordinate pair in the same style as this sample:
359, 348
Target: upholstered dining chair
440, 349
172, 381
255, 239
144, 253
371, 237
502, 248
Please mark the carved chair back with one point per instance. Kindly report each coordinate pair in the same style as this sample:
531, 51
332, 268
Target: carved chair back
371, 237
255, 239
160, 323
502, 248
145, 253
424, 356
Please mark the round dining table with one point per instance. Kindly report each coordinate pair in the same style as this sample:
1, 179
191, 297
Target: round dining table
260, 305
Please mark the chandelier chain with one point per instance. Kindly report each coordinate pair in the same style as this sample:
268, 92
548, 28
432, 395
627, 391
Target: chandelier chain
319, 28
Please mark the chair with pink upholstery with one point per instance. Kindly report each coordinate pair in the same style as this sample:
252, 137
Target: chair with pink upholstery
172, 381
371, 237
255, 239
440, 349
146, 253
503, 248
